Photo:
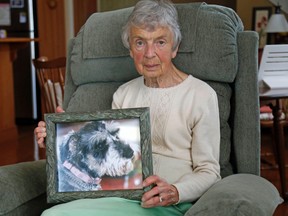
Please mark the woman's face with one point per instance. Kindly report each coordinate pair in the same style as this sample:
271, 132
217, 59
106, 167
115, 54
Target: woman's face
152, 51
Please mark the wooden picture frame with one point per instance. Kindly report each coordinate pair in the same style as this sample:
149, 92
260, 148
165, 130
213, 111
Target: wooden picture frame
260, 20
101, 154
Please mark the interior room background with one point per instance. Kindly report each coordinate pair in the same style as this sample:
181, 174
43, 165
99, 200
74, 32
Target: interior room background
59, 20
71, 15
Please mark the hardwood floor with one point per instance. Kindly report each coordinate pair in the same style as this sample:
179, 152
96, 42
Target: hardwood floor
269, 168
23, 150
20, 150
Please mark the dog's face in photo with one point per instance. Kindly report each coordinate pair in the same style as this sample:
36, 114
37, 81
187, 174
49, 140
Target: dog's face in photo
96, 150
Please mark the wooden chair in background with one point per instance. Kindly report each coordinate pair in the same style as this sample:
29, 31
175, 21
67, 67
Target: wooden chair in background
51, 78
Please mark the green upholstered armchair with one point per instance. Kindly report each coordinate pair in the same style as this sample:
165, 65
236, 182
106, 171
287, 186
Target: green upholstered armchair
216, 49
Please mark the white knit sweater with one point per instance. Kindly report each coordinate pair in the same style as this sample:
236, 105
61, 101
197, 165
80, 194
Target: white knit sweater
185, 132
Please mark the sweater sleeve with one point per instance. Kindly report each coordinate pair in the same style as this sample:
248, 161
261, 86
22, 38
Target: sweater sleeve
205, 152
118, 98
123, 97
115, 102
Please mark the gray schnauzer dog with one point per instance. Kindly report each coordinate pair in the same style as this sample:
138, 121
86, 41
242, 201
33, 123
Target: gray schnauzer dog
91, 152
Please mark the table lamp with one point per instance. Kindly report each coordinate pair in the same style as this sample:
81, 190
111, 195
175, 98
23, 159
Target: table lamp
277, 23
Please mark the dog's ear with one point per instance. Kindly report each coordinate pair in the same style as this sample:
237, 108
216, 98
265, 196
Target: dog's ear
72, 142
69, 144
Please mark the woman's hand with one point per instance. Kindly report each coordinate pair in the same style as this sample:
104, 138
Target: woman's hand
162, 194
40, 131
40, 134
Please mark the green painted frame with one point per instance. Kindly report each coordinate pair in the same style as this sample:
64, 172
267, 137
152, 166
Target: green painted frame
52, 119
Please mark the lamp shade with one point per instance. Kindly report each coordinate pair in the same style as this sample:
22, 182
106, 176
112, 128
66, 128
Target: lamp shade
277, 23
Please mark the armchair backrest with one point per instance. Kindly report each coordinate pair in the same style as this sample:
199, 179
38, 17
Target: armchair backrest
214, 48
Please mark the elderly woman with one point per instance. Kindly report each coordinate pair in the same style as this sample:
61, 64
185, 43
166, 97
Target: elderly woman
184, 120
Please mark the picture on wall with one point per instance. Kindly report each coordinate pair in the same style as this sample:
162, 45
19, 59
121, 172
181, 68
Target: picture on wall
259, 22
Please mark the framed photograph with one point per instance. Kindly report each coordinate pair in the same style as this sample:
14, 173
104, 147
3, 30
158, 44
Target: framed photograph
101, 154
260, 19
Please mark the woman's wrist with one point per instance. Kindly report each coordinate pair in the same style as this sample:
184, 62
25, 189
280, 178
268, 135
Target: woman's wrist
175, 192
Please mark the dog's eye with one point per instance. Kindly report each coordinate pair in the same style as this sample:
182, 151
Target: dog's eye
99, 149
101, 145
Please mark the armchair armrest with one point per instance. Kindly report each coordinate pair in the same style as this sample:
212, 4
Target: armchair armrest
23, 186
239, 194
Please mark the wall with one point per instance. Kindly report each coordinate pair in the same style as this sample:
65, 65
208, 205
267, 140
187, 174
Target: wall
51, 20
244, 9
82, 10
104, 5
51, 28
227, 3
56, 25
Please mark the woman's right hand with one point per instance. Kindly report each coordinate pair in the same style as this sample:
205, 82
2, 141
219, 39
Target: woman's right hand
40, 131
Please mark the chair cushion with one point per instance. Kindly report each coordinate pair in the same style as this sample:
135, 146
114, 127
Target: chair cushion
224, 93
98, 98
99, 34
216, 61
98, 54
239, 194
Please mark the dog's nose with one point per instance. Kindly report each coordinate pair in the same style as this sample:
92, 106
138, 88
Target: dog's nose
129, 153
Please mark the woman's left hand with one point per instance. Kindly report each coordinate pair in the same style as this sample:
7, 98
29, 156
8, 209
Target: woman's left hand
162, 194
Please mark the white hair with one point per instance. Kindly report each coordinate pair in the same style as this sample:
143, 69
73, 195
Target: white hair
151, 14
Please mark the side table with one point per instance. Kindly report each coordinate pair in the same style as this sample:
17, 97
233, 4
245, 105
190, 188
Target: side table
276, 95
